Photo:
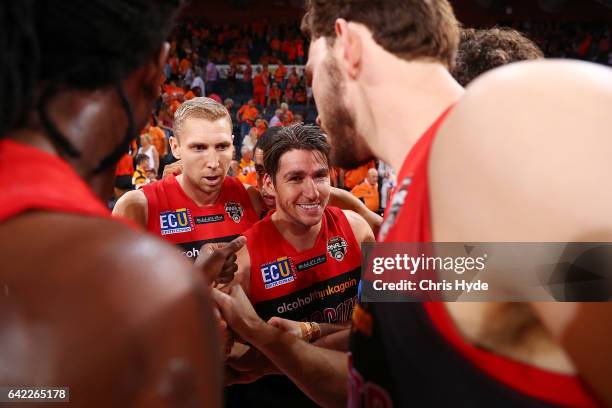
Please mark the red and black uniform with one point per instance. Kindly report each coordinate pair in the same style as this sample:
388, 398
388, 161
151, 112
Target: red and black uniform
319, 284
177, 219
32, 179
411, 354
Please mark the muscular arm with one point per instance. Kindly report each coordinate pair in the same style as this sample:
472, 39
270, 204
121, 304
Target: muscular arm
133, 206
132, 291
319, 373
345, 200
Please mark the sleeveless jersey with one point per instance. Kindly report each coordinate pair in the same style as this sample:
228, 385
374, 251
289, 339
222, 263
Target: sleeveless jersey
412, 354
32, 179
319, 284
177, 219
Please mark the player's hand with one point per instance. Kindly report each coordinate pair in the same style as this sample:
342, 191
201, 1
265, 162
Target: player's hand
227, 335
171, 169
237, 310
248, 367
289, 326
218, 260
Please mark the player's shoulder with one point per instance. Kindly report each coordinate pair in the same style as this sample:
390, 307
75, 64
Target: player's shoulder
361, 228
132, 205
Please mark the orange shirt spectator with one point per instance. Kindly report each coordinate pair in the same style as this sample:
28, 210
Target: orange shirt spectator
158, 139
174, 105
125, 167
248, 112
280, 73
189, 95
261, 126
293, 79
368, 191
184, 65
275, 44
356, 176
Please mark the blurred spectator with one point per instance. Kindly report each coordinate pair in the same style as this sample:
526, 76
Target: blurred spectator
123, 175
158, 139
260, 83
276, 119
234, 169
247, 167
246, 117
280, 74
353, 177
387, 184
142, 173
211, 76
275, 95
261, 125
198, 82
147, 148
367, 191
288, 114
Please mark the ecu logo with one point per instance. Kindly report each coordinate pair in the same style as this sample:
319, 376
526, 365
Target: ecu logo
277, 272
174, 222
234, 210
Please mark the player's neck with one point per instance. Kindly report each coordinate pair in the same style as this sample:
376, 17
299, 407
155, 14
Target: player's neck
301, 237
201, 198
408, 106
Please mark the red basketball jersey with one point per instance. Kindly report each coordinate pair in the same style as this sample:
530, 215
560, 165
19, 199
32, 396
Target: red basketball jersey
319, 284
413, 354
177, 219
32, 179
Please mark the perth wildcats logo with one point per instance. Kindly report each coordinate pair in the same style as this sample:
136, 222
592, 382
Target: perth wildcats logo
337, 247
234, 210
174, 222
396, 205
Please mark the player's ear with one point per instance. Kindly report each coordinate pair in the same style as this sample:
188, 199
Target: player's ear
268, 184
350, 47
174, 146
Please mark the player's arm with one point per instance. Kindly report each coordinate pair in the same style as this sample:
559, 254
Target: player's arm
345, 200
319, 373
133, 206
331, 336
361, 229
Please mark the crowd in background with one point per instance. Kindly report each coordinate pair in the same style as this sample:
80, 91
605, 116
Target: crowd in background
256, 71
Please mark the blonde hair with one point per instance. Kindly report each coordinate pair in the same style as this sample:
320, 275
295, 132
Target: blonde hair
202, 108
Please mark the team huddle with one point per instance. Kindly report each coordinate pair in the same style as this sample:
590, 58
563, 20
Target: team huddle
254, 291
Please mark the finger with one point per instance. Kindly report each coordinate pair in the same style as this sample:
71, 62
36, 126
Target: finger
227, 274
220, 298
235, 245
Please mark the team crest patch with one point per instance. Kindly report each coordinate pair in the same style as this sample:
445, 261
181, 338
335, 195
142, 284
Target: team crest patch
396, 205
175, 222
337, 247
277, 272
234, 210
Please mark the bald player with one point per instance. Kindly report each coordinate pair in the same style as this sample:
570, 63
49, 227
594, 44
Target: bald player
482, 353
88, 302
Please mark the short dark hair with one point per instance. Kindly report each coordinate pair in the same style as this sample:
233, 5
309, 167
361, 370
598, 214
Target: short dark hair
483, 50
267, 138
409, 29
140, 158
294, 137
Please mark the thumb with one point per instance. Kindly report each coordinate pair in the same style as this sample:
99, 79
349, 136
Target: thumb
235, 245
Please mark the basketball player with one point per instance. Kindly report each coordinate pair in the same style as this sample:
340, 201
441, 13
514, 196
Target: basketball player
87, 302
202, 204
301, 262
438, 354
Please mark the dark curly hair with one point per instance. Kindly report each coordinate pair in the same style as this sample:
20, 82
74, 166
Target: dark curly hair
47, 46
483, 50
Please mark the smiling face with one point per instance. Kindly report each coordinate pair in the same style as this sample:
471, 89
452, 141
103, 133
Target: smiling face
301, 186
205, 148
